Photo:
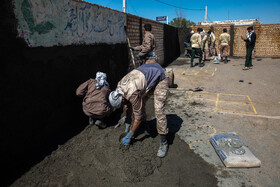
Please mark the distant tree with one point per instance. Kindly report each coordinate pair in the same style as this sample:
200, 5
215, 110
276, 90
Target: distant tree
181, 21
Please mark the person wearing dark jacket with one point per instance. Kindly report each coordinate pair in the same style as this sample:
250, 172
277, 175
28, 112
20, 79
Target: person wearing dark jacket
250, 44
95, 94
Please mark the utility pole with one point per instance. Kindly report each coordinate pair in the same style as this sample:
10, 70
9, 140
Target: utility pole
205, 18
124, 6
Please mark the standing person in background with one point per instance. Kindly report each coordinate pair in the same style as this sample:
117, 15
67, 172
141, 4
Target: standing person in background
188, 39
202, 34
196, 46
212, 44
187, 44
206, 46
148, 47
250, 44
224, 45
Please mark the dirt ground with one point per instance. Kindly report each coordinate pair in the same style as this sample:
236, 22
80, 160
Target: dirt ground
250, 107
95, 158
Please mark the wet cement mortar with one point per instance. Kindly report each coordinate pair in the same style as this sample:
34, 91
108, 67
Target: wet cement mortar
95, 158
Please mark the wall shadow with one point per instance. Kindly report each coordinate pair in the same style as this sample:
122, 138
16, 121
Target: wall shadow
39, 107
171, 44
149, 128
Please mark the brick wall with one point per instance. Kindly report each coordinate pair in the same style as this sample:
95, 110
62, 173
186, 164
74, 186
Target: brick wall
267, 43
135, 33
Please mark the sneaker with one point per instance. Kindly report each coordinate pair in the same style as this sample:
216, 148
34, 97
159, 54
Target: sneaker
162, 151
100, 124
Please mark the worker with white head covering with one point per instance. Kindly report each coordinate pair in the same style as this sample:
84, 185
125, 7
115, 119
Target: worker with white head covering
95, 102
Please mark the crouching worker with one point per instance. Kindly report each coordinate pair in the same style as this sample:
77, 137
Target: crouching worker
131, 91
95, 103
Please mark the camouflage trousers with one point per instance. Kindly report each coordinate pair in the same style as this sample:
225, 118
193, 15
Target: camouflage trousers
160, 97
212, 50
224, 50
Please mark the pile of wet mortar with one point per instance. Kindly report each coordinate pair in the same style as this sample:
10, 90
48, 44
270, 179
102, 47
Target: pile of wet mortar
95, 157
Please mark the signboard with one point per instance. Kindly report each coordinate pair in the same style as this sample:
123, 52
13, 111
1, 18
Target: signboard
161, 18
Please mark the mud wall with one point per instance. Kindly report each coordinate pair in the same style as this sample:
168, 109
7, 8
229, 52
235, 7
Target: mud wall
171, 44
182, 35
67, 22
49, 48
267, 43
135, 33
39, 107
166, 37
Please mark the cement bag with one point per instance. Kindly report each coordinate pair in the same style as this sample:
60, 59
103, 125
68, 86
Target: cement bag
233, 152
171, 77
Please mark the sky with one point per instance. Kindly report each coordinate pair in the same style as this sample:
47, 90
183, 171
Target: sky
266, 11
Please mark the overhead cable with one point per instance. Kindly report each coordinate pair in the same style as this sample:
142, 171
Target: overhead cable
180, 7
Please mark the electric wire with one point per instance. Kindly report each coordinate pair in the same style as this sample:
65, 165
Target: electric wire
209, 19
180, 7
133, 7
108, 3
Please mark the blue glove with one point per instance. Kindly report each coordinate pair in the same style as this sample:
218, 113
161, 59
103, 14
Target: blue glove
132, 48
126, 141
138, 55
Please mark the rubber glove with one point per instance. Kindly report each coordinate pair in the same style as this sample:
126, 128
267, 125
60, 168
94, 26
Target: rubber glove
126, 140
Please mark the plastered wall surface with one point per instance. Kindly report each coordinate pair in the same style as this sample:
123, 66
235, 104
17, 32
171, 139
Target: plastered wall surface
67, 22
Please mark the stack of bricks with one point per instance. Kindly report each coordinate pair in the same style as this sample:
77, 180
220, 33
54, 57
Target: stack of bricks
135, 33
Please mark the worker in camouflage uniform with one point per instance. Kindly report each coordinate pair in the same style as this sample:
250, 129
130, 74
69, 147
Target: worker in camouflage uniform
132, 91
196, 46
224, 45
148, 47
206, 41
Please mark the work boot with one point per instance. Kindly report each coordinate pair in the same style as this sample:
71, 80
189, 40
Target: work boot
226, 60
201, 64
162, 151
163, 148
192, 64
222, 59
100, 124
